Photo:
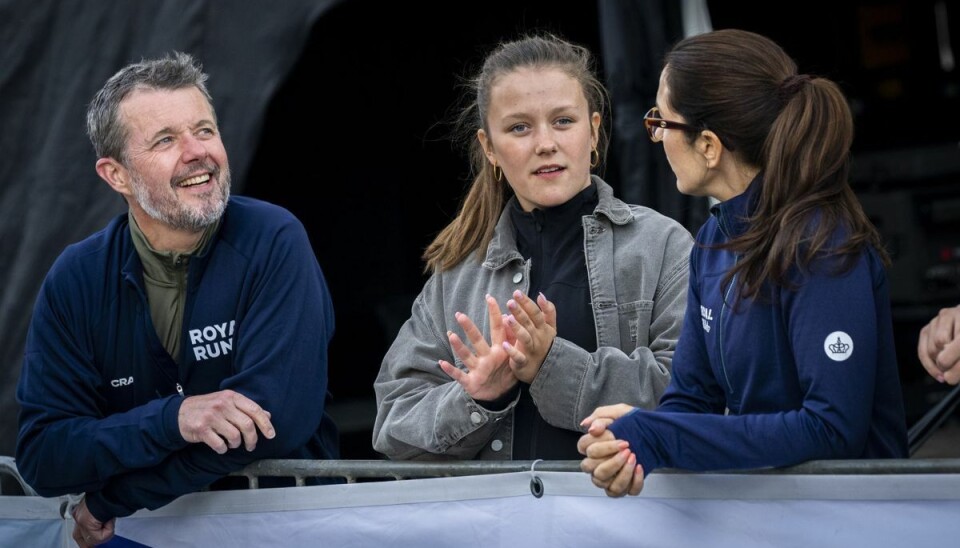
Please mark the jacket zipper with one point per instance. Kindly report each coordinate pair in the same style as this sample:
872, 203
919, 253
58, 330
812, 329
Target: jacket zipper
723, 308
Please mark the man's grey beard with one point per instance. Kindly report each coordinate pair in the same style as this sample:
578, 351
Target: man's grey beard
172, 212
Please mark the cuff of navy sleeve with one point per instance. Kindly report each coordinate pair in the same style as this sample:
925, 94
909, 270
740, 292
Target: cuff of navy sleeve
171, 422
98, 507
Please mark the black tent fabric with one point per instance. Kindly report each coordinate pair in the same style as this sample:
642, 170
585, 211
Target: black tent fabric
55, 55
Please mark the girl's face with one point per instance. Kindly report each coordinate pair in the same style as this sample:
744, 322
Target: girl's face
541, 134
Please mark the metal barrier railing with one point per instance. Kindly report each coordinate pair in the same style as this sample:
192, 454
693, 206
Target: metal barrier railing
932, 420
354, 470
384, 470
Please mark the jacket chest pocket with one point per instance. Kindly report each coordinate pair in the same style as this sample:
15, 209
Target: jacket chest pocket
634, 320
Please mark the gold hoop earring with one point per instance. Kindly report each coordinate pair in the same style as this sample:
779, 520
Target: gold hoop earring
594, 163
497, 173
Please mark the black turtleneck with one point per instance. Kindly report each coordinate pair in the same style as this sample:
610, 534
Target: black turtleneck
552, 239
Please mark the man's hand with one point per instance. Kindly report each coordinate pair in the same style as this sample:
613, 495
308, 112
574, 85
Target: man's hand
88, 530
222, 420
938, 346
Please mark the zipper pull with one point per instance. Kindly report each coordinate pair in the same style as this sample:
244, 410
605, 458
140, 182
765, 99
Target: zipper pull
180, 390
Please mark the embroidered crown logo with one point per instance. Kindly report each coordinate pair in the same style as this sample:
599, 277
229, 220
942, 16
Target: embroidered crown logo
839, 347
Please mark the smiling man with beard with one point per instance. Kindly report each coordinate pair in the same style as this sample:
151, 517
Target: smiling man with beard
186, 339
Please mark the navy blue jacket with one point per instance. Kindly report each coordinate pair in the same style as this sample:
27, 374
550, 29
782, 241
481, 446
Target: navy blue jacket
98, 392
810, 375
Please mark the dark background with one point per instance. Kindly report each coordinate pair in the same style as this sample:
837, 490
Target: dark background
338, 111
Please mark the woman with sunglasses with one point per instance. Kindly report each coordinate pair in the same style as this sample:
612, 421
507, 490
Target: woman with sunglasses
487, 367
786, 353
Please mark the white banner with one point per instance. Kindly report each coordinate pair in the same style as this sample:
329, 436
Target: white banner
674, 510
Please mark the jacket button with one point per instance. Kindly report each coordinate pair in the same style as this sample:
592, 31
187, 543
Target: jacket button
518, 277
496, 445
475, 418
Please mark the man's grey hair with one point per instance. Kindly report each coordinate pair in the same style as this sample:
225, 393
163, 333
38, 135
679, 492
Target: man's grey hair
176, 70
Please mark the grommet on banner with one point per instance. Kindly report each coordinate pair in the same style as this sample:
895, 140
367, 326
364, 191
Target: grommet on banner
536, 484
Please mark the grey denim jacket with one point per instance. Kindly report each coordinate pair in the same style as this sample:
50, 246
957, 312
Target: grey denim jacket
637, 268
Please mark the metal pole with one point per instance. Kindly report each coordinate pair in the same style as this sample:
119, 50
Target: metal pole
928, 424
